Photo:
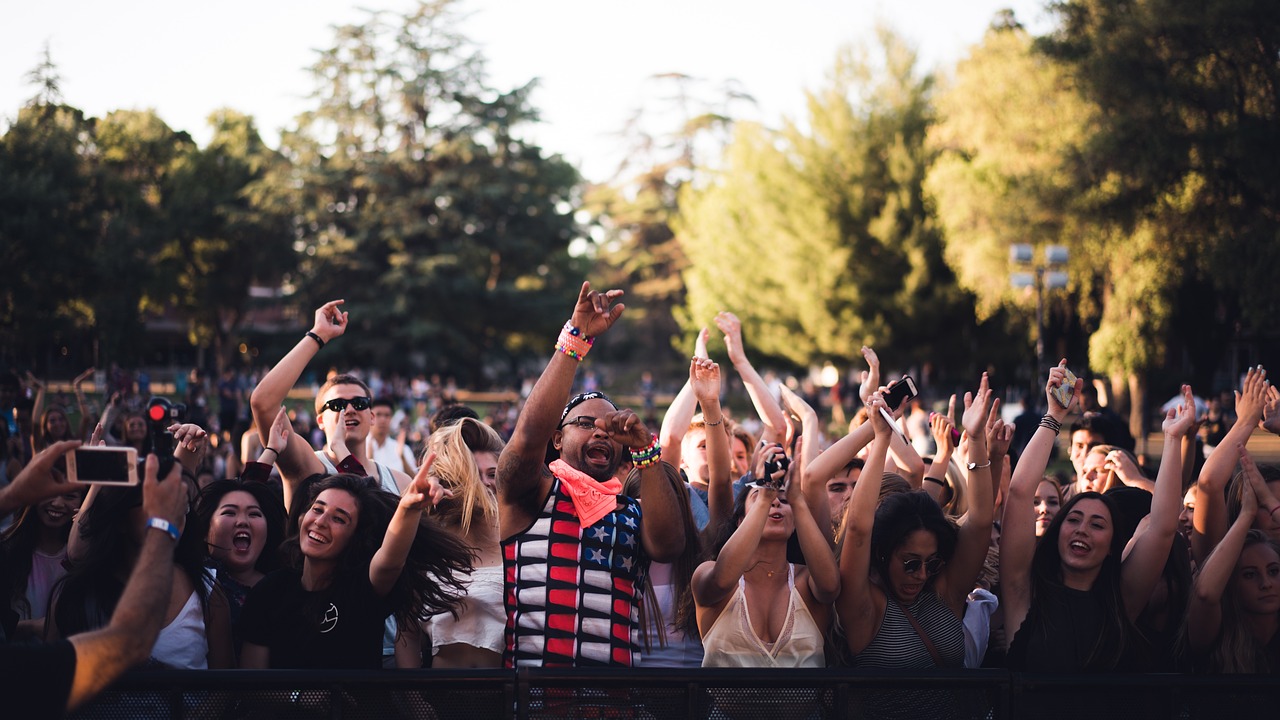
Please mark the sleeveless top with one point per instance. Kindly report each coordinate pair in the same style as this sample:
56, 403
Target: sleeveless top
681, 650
732, 642
388, 482
1059, 632
897, 645
182, 644
385, 478
481, 618
572, 594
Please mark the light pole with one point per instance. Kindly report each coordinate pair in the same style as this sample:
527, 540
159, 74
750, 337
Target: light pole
1047, 274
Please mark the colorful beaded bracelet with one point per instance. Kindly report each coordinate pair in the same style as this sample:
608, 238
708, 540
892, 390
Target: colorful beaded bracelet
648, 455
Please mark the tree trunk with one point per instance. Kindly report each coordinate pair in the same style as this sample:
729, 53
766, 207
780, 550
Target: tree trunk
1118, 398
1137, 414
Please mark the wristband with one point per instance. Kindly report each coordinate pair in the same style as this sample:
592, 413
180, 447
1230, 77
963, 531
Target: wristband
315, 337
1052, 423
935, 481
573, 343
648, 455
169, 528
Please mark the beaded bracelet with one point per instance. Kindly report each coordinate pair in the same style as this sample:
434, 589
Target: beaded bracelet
1052, 423
648, 455
573, 343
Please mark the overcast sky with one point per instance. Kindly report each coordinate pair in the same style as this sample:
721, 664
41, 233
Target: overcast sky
593, 58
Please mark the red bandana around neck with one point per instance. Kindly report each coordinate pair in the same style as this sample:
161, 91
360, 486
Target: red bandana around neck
591, 498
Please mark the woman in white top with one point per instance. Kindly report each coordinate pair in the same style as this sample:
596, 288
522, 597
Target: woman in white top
466, 464
754, 608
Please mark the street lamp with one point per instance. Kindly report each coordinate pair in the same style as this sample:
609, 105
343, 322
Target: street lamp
1048, 274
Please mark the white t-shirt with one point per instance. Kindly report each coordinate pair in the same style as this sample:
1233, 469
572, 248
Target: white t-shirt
385, 455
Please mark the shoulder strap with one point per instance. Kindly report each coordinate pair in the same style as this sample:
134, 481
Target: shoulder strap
924, 637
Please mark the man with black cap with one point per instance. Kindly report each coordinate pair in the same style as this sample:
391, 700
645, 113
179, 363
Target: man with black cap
575, 550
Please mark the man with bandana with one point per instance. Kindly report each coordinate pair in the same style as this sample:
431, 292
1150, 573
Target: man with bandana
575, 550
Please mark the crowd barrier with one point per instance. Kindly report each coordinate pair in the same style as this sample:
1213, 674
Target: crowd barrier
659, 694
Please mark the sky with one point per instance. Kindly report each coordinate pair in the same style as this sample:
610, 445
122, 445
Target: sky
594, 59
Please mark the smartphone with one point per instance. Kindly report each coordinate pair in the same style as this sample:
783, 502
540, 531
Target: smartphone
902, 391
1063, 392
103, 465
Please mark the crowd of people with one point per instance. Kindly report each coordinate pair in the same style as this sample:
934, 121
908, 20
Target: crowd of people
577, 533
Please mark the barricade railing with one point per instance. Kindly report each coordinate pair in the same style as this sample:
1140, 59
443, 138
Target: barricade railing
659, 694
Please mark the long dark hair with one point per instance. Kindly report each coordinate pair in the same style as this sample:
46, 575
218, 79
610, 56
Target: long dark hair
272, 510
87, 596
435, 573
683, 566
1046, 578
16, 548
897, 516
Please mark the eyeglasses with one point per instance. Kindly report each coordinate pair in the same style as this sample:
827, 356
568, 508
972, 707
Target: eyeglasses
932, 566
339, 404
582, 422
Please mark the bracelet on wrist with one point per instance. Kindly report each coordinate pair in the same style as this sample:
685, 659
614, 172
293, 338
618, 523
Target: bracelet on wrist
271, 450
1051, 423
713, 424
313, 336
648, 455
573, 343
169, 528
936, 481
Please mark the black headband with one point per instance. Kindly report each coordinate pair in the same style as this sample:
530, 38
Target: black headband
580, 398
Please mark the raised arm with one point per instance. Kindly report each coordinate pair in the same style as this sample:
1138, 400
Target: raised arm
822, 573
935, 480
81, 403
766, 406
297, 463
715, 580
1271, 411
1204, 614
704, 379
1018, 525
1146, 556
523, 477
958, 578
662, 531
675, 423
389, 561
1209, 522
815, 493
857, 606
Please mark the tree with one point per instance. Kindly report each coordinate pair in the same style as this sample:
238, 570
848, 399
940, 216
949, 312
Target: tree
420, 204
819, 236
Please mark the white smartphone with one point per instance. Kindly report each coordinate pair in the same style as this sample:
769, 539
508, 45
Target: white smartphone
103, 465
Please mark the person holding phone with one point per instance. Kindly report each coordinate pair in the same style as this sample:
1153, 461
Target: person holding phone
48, 680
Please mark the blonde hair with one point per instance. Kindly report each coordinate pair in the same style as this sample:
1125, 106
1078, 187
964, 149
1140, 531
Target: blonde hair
456, 468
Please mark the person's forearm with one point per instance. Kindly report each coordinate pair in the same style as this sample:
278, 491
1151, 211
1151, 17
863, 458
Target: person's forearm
663, 526
537, 422
719, 463
823, 572
675, 423
388, 562
274, 387
834, 458
735, 557
907, 459
767, 408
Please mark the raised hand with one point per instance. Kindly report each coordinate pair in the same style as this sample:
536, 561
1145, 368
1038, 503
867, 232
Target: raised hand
940, 427
594, 312
83, 376
704, 379
330, 322
999, 433
425, 488
189, 437
732, 329
875, 404
870, 378
1252, 396
335, 432
626, 428
1122, 465
1178, 421
977, 409
281, 429
1057, 376
700, 345
1271, 411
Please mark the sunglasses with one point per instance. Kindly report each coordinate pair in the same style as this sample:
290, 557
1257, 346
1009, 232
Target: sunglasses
582, 422
339, 404
932, 566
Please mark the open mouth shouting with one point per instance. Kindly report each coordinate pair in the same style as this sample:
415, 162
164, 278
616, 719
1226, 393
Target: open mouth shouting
599, 454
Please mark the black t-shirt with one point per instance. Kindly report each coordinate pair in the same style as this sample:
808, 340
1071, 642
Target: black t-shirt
35, 680
339, 627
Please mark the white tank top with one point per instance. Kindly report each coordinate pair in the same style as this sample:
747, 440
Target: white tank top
732, 642
182, 644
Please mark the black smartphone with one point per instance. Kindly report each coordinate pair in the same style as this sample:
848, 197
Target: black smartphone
900, 392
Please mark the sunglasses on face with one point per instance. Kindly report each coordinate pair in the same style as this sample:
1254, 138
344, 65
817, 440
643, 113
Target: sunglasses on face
582, 422
339, 404
932, 566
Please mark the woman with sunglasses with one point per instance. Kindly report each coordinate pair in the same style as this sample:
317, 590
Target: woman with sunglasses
905, 571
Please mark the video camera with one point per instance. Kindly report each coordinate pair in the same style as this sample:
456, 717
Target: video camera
161, 414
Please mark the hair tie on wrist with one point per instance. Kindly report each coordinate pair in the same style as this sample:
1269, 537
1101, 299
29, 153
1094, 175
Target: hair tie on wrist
1050, 422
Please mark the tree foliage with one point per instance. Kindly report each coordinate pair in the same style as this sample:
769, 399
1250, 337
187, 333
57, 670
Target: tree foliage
818, 235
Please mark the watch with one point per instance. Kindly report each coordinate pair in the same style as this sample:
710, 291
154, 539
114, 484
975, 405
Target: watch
976, 466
